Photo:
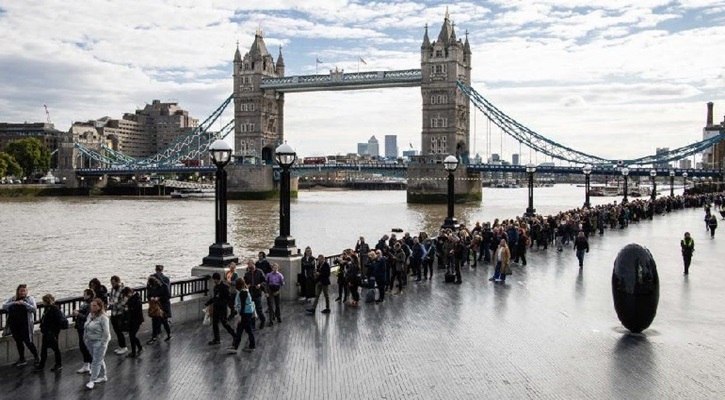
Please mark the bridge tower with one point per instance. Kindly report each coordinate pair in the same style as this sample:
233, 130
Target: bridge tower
446, 110
446, 120
258, 114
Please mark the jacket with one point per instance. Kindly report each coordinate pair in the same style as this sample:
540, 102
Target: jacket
221, 298
505, 259
97, 330
162, 292
116, 301
323, 273
134, 311
253, 279
53, 320
688, 247
21, 317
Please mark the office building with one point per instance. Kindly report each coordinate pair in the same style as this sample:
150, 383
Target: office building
515, 159
373, 147
662, 151
362, 149
391, 146
494, 158
410, 153
685, 164
45, 132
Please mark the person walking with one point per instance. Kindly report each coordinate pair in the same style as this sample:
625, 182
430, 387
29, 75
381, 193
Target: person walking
308, 275
255, 282
21, 310
323, 283
117, 304
502, 255
581, 244
219, 303
51, 323
244, 305
80, 315
97, 335
275, 281
134, 315
159, 308
712, 224
687, 244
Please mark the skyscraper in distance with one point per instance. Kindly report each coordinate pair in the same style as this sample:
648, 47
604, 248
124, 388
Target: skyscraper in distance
373, 147
391, 146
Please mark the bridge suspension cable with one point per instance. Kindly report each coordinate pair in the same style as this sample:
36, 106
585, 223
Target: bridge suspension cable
550, 148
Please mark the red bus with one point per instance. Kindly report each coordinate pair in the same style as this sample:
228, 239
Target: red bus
314, 160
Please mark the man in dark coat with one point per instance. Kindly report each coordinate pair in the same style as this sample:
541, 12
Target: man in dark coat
687, 244
255, 280
323, 283
220, 302
51, 324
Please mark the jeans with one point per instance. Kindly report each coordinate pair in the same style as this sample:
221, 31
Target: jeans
98, 353
50, 341
156, 323
320, 288
82, 345
497, 273
427, 265
135, 343
273, 305
580, 256
245, 325
118, 329
260, 311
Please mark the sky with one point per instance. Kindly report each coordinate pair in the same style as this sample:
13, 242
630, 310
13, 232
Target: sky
613, 78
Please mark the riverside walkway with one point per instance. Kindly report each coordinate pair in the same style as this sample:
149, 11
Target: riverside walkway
550, 332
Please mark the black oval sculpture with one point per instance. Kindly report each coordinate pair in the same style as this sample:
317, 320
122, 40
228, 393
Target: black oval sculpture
635, 287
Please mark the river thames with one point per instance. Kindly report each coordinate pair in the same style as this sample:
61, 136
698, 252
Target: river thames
57, 245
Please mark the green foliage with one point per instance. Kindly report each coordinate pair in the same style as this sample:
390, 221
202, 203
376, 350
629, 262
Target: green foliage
8, 166
31, 154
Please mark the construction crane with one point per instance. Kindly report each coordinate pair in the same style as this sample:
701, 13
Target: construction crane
47, 114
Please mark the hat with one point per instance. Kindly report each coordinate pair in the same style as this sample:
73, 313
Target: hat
215, 276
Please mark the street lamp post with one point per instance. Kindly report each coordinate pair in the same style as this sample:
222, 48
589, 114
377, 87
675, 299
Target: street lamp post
672, 183
587, 169
684, 181
625, 173
284, 244
530, 169
653, 175
450, 164
221, 253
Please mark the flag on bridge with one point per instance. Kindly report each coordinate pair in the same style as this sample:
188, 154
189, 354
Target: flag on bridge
362, 61
318, 60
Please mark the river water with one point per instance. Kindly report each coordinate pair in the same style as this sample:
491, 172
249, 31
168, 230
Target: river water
57, 245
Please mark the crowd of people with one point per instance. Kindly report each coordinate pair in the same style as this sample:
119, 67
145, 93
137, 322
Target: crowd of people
237, 301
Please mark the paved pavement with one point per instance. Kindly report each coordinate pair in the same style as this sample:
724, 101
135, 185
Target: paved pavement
550, 332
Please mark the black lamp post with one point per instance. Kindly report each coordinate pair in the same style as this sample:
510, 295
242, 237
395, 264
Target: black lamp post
221, 253
450, 164
587, 169
684, 181
530, 169
284, 244
653, 175
709, 184
672, 183
625, 173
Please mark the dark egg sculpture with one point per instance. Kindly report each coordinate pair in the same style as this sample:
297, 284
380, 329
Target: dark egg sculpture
635, 287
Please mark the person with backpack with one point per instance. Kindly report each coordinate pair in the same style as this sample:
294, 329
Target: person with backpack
244, 305
51, 323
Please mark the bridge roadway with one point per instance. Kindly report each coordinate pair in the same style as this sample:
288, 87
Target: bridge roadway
397, 168
549, 332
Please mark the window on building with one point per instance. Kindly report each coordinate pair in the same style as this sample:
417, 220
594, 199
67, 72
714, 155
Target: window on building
439, 122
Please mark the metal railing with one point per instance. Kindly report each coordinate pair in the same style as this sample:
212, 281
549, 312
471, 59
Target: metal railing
180, 288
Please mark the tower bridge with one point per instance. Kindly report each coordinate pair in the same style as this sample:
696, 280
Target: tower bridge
444, 76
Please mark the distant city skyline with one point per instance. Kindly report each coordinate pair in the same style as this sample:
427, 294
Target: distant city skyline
593, 77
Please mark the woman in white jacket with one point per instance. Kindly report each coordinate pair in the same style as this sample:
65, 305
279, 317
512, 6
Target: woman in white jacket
97, 334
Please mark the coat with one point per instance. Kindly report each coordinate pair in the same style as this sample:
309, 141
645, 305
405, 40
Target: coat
162, 292
21, 318
505, 259
134, 311
53, 320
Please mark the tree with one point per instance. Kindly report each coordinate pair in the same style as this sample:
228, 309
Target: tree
31, 154
8, 166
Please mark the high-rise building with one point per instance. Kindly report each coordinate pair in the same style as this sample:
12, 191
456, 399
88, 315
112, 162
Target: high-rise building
515, 159
685, 164
373, 147
391, 146
495, 157
145, 132
362, 149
